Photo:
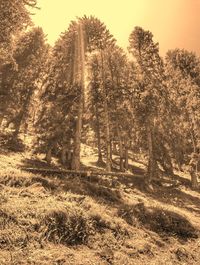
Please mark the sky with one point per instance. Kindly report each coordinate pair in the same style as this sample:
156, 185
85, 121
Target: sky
174, 23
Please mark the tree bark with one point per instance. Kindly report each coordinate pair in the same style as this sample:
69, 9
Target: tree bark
126, 157
111, 150
22, 113
106, 117
121, 153
48, 155
152, 164
194, 163
100, 157
77, 140
1, 120
64, 155
194, 181
114, 148
81, 60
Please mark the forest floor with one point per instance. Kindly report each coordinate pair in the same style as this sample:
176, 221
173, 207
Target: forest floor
97, 220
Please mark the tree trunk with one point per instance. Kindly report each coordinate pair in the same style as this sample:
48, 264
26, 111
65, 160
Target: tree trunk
194, 181
81, 61
100, 157
111, 150
106, 117
69, 158
48, 155
126, 157
77, 140
152, 164
64, 155
164, 159
114, 148
108, 147
194, 167
22, 113
1, 120
18, 125
121, 153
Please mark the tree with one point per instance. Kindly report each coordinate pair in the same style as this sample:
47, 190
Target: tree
95, 103
66, 78
183, 69
60, 96
14, 18
20, 84
150, 95
99, 40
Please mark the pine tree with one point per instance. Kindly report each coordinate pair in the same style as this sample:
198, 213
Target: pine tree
183, 70
21, 83
66, 77
14, 18
151, 95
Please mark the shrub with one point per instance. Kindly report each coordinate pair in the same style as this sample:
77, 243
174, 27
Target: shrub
15, 179
44, 182
159, 220
12, 143
106, 193
126, 212
6, 219
69, 227
11, 234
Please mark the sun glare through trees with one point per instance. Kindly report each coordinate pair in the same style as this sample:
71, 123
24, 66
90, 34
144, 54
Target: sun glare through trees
99, 145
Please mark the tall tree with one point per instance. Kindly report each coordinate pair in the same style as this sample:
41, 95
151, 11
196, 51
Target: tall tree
14, 17
151, 92
183, 69
20, 84
66, 78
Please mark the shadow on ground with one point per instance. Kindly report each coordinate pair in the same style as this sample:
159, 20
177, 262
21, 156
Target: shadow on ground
107, 188
37, 164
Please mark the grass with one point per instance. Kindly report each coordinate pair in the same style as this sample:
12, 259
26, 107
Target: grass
163, 222
50, 220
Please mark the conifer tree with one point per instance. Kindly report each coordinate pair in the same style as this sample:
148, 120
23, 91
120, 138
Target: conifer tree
183, 69
150, 104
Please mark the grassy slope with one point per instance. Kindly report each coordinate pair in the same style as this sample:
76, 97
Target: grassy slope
68, 220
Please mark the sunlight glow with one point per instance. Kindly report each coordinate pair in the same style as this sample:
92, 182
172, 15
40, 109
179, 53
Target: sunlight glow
174, 23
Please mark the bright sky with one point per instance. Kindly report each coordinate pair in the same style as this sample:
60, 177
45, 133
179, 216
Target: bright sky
174, 23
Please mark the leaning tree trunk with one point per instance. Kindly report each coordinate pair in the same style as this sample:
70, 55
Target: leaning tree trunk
106, 116
81, 61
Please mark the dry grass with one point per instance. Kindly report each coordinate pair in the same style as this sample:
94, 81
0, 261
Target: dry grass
51, 221
162, 221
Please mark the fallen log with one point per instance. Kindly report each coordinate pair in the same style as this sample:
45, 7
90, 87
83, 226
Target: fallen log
87, 173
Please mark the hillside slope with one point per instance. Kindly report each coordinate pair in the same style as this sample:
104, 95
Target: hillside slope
95, 220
